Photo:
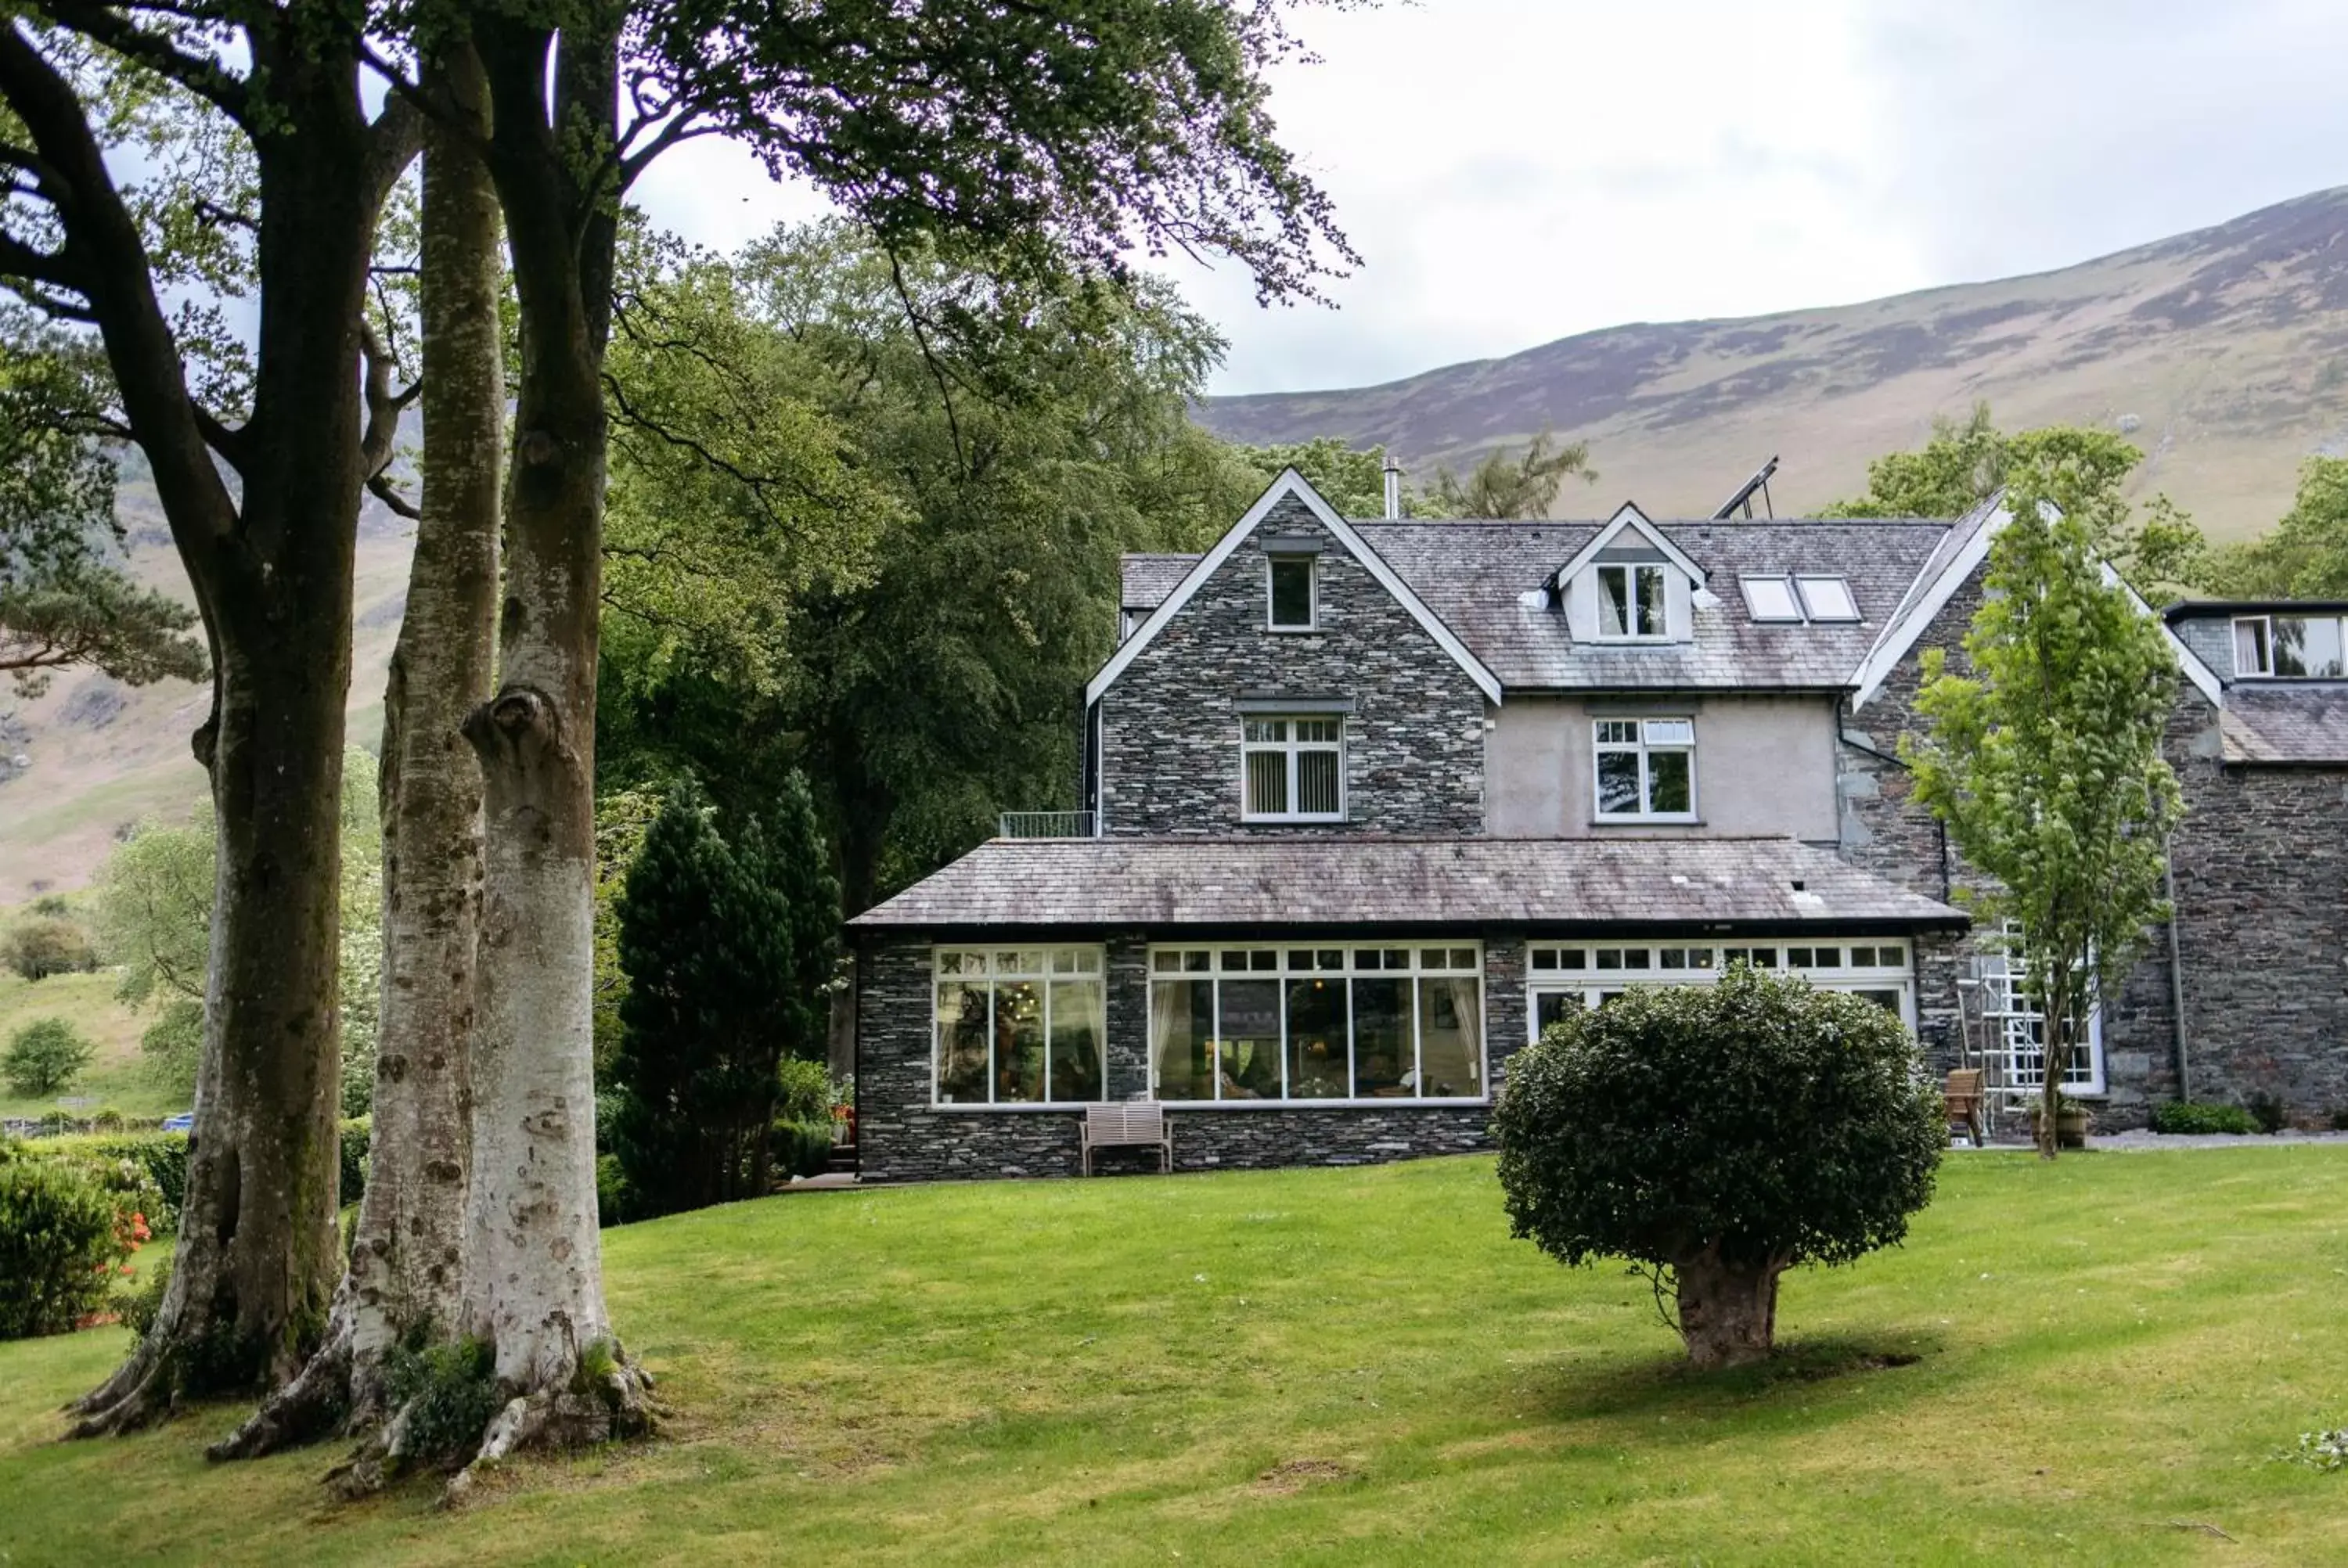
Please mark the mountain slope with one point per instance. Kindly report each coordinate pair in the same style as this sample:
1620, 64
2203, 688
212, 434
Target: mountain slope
2224, 352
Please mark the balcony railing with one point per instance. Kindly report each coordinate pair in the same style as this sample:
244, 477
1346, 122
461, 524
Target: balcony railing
1047, 824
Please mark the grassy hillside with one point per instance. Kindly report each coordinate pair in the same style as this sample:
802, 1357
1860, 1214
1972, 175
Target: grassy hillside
2092, 1363
118, 1075
2224, 350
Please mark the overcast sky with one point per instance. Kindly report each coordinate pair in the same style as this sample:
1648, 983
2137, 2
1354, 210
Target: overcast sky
1518, 171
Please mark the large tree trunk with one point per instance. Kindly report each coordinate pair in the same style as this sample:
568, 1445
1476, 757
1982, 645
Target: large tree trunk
257, 1259
406, 1262
1728, 1310
533, 1280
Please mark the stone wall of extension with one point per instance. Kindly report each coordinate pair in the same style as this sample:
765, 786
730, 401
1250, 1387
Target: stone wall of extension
1171, 724
2261, 872
902, 1137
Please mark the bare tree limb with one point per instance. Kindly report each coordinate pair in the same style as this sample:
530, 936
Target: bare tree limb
109, 27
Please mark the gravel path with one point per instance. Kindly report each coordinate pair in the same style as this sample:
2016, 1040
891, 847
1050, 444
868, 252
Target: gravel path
2140, 1139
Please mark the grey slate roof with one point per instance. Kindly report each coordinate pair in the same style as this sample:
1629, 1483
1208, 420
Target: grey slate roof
1149, 579
1429, 883
1475, 575
2285, 722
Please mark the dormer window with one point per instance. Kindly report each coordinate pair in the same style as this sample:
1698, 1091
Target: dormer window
1630, 602
1289, 588
2291, 646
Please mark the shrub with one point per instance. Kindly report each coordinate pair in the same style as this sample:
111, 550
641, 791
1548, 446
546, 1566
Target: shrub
2339, 1120
356, 1134
2183, 1117
59, 1246
141, 1302
611, 1191
447, 1395
47, 945
2268, 1111
45, 1056
1716, 1135
801, 1148
159, 1161
803, 1091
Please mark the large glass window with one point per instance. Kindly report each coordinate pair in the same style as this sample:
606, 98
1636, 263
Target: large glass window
2300, 647
1631, 601
1290, 586
1564, 977
1324, 1021
1019, 1026
1645, 767
1294, 770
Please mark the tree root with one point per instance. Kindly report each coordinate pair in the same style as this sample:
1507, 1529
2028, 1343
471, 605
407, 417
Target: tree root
139, 1394
589, 1410
326, 1396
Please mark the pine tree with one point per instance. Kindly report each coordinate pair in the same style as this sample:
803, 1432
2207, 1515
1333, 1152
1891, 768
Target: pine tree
728, 949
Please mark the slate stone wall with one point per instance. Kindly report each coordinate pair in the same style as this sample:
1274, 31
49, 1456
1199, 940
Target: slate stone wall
2262, 870
902, 1137
1171, 724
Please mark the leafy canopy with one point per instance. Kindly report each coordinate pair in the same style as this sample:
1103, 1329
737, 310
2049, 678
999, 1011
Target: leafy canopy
44, 1057
2042, 754
1962, 466
2306, 555
1755, 1121
1524, 486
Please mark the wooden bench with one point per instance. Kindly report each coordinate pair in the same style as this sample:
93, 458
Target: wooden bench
1966, 1098
1136, 1124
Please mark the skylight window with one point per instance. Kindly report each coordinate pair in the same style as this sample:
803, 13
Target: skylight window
1771, 598
1827, 599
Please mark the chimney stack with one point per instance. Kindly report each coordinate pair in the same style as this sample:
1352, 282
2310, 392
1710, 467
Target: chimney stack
1393, 488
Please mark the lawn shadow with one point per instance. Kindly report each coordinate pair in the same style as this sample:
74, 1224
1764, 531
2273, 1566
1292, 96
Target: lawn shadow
1665, 1385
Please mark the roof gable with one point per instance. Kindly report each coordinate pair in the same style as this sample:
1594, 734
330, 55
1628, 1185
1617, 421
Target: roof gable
1290, 484
1628, 518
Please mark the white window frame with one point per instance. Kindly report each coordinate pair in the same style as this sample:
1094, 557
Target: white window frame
1290, 746
1594, 970
2021, 1025
1792, 615
1645, 748
1662, 632
1802, 581
2264, 625
1312, 622
1282, 970
992, 972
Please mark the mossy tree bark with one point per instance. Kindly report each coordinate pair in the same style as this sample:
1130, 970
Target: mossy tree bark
405, 1265
271, 563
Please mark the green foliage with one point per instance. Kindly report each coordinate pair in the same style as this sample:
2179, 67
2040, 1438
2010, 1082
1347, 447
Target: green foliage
729, 950
910, 639
1756, 1117
803, 1090
44, 1057
359, 978
611, 1202
173, 1045
2044, 760
1351, 479
1962, 466
801, 1148
2184, 1116
95, 615
58, 1247
43, 945
622, 819
153, 908
1525, 486
354, 1137
141, 1302
2306, 554
148, 1171
447, 1394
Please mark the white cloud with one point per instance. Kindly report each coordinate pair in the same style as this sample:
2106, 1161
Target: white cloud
1516, 170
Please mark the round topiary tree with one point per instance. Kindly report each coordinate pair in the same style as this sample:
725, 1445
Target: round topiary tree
1717, 1135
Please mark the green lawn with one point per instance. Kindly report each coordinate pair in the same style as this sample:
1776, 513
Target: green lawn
118, 1075
1360, 1367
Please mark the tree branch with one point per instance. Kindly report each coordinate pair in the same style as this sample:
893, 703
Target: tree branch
203, 78
384, 490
